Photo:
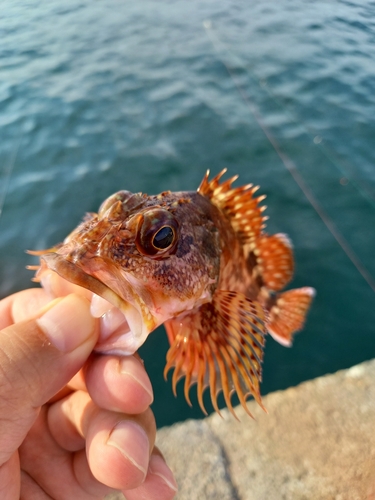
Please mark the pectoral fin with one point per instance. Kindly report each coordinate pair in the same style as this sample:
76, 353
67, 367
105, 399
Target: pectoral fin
220, 346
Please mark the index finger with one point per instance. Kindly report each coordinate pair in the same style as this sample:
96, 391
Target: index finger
25, 304
22, 305
56, 286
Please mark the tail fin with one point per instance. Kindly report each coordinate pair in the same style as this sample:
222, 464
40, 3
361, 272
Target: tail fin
288, 314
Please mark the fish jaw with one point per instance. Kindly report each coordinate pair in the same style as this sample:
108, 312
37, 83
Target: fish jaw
138, 321
122, 331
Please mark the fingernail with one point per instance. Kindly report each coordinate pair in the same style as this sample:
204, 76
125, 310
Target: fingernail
68, 323
160, 468
132, 442
131, 367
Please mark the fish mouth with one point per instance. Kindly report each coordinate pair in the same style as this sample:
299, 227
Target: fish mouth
124, 324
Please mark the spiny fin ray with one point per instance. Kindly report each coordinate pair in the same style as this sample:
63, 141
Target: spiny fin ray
238, 204
220, 346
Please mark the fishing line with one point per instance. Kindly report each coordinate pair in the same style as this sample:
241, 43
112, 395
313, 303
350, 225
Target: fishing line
310, 131
292, 169
324, 147
8, 172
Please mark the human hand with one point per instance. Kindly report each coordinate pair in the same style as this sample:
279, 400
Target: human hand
67, 432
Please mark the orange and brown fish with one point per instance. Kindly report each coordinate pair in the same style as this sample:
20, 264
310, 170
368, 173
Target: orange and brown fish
199, 262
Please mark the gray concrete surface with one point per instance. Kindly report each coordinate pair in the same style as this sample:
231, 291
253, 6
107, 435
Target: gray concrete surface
317, 442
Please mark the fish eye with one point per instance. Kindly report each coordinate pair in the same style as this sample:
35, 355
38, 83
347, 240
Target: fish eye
163, 238
157, 233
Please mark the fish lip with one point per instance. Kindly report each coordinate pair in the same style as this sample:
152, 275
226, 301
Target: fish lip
139, 326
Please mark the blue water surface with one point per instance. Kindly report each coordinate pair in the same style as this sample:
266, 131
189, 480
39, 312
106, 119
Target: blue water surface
145, 96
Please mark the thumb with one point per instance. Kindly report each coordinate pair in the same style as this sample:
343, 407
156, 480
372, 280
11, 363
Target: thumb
38, 357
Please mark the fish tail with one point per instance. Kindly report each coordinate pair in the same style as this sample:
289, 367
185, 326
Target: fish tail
288, 313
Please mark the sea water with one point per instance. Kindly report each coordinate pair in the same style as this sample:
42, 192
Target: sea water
146, 96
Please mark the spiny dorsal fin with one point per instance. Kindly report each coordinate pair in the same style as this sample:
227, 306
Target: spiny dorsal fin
219, 346
238, 204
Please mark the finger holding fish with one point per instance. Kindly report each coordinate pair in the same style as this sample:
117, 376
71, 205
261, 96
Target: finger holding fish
75, 446
56, 286
118, 383
119, 447
21, 306
26, 303
118, 453
115, 383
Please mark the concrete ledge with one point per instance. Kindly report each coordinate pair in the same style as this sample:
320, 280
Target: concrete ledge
317, 442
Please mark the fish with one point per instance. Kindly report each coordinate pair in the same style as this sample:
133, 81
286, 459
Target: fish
199, 262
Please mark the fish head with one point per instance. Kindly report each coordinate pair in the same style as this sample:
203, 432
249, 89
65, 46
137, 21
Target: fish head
146, 259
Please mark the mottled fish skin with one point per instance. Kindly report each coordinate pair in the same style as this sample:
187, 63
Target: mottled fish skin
107, 244
199, 262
